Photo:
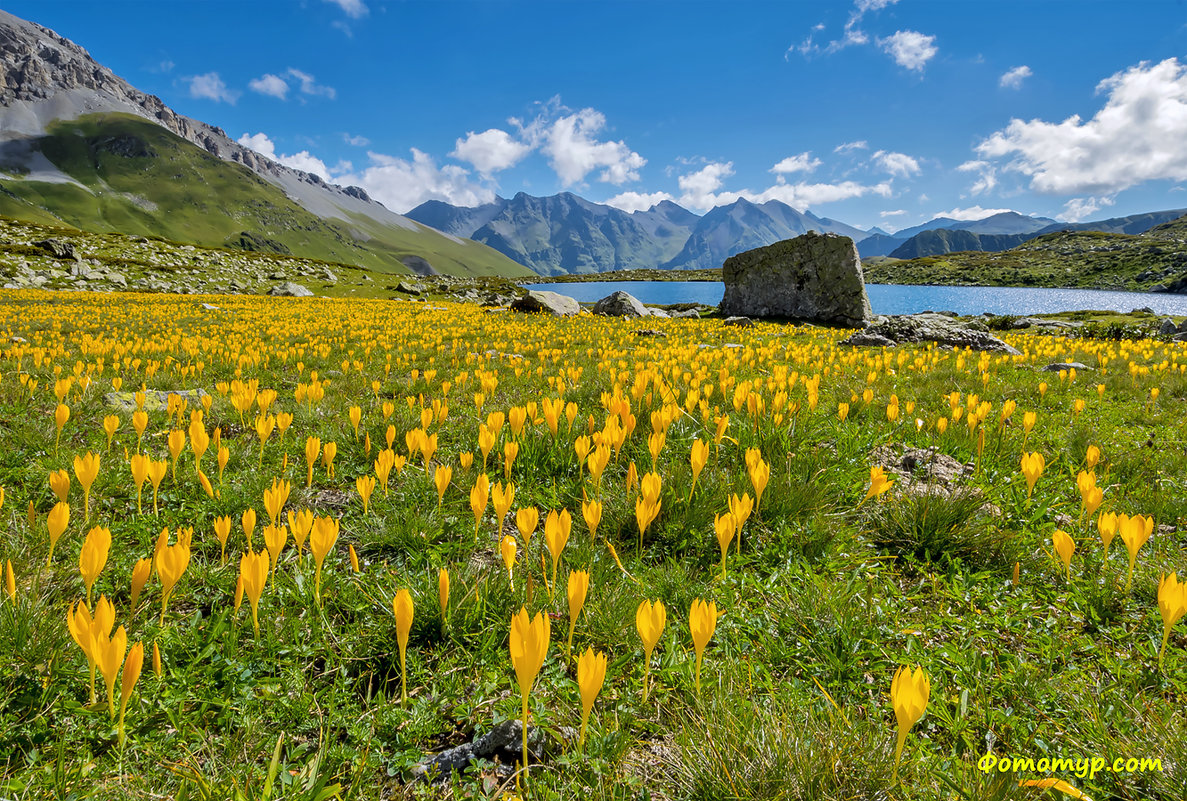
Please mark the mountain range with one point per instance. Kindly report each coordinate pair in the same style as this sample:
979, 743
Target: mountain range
566, 234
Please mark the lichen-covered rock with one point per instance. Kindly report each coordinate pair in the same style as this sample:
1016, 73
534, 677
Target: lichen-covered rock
620, 304
814, 277
553, 303
911, 328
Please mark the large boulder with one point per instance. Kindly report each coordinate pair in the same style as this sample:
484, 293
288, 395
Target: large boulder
290, 289
620, 304
928, 327
814, 277
553, 303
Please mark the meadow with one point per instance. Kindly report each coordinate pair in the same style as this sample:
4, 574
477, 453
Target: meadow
372, 536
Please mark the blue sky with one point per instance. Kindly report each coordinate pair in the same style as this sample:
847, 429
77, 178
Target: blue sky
874, 112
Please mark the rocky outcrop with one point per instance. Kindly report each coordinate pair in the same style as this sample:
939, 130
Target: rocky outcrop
553, 303
620, 304
814, 277
913, 328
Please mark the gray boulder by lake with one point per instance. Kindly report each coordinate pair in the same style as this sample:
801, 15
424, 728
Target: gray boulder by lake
814, 277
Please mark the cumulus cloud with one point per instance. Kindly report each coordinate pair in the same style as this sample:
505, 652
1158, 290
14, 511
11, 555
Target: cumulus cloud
849, 147
355, 9
355, 141
491, 151
1013, 78
304, 160
986, 175
1139, 135
1078, 208
698, 190
801, 163
899, 164
910, 49
211, 87
702, 190
401, 184
637, 201
574, 151
271, 85
277, 86
971, 213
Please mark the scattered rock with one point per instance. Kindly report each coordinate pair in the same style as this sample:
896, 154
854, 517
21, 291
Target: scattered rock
291, 290
814, 277
209, 306
1167, 327
57, 248
740, 322
687, 314
1055, 367
1180, 337
503, 743
649, 332
865, 339
658, 313
912, 328
155, 400
620, 304
409, 289
554, 303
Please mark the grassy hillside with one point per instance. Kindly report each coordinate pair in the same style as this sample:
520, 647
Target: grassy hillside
135, 177
1155, 260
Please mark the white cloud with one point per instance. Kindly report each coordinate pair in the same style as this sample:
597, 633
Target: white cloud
910, 49
309, 86
402, 185
1078, 208
899, 164
971, 213
574, 152
700, 190
894, 213
637, 201
1013, 78
355, 141
303, 160
1139, 135
491, 151
986, 179
353, 8
801, 163
849, 147
211, 87
271, 85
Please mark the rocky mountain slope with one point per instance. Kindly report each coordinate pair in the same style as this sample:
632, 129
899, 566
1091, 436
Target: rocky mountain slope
48, 84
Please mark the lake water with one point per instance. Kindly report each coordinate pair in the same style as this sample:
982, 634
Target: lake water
895, 299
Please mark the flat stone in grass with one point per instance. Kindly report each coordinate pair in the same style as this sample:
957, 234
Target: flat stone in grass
914, 328
155, 400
